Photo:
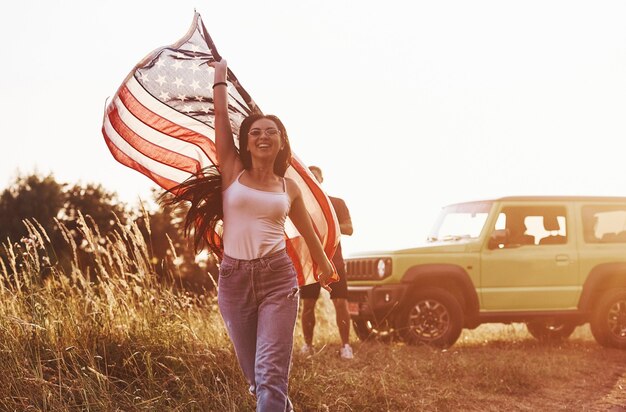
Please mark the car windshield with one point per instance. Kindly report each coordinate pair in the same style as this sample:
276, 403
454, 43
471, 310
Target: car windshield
460, 221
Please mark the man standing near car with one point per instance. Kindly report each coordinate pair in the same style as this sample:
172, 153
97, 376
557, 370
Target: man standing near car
339, 294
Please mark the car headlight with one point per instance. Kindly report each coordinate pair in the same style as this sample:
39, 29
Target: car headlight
381, 267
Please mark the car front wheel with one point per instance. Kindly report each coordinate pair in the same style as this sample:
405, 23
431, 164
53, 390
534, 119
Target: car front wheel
365, 330
433, 317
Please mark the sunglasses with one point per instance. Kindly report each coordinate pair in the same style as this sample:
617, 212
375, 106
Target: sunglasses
268, 132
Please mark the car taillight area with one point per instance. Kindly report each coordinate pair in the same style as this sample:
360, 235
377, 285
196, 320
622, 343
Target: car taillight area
368, 268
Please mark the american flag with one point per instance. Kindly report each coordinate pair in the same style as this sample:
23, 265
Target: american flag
161, 123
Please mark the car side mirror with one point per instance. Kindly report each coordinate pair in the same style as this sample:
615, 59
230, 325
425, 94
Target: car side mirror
498, 239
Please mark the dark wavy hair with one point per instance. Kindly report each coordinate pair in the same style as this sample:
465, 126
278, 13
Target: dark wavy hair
203, 190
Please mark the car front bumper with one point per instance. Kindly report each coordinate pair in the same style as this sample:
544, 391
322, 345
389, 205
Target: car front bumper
374, 303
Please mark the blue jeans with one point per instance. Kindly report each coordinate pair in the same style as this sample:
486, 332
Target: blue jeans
258, 301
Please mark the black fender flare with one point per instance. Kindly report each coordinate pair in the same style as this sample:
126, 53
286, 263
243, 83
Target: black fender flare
602, 277
444, 275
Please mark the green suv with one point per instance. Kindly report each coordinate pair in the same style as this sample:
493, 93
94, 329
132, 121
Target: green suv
552, 262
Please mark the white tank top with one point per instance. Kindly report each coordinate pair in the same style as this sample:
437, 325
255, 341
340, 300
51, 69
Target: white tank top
254, 221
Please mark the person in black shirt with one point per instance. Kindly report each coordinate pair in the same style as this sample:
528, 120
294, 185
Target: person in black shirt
339, 293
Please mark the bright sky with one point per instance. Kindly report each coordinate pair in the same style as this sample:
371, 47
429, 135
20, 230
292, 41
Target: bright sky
406, 105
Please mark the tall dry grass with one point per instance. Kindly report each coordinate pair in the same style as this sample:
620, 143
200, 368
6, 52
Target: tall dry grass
115, 338
112, 338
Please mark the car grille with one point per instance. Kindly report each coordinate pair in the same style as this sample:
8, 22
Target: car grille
365, 269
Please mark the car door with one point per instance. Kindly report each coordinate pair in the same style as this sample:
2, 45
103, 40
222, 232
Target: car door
534, 270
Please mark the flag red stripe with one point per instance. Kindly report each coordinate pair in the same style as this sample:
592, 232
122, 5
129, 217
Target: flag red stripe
162, 169
124, 159
165, 126
151, 135
150, 149
324, 204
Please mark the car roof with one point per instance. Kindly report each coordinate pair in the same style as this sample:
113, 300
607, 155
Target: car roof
549, 198
566, 198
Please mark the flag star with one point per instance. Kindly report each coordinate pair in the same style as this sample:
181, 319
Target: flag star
164, 96
195, 67
179, 82
199, 98
187, 108
161, 80
177, 65
182, 97
195, 84
195, 48
144, 77
160, 63
205, 109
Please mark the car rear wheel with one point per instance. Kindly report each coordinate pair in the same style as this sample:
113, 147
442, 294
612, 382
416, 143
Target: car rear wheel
433, 317
608, 321
550, 330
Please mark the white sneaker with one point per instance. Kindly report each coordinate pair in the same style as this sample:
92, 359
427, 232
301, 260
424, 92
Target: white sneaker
346, 352
306, 349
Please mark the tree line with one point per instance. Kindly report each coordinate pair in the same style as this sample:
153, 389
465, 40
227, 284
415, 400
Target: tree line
53, 205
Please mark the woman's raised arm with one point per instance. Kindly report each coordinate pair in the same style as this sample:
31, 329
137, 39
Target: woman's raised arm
228, 160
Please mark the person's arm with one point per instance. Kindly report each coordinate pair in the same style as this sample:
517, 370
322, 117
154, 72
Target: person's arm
343, 216
346, 228
300, 218
227, 157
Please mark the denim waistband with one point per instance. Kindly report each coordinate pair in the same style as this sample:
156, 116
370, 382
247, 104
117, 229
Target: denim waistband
262, 260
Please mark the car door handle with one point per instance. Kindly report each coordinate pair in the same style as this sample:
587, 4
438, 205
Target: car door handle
562, 258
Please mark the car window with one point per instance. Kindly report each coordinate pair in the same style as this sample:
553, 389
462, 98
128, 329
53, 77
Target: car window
604, 224
459, 221
532, 226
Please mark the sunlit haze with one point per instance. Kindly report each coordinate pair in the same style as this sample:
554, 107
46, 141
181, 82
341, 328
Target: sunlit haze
406, 105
